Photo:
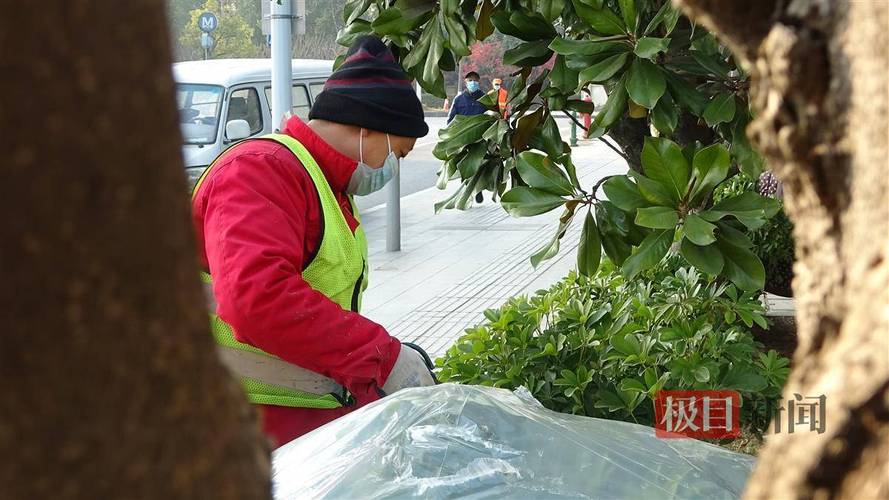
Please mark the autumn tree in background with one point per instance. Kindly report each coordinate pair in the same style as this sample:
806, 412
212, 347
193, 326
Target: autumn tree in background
487, 60
111, 384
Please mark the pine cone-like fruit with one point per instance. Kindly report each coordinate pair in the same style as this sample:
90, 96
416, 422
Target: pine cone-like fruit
769, 185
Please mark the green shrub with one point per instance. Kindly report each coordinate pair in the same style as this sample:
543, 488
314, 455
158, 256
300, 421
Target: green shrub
603, 346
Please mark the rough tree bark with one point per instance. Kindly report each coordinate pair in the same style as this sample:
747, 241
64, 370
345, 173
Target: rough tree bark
819, 88
110, 383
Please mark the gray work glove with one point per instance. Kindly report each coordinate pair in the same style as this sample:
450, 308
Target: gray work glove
413, 368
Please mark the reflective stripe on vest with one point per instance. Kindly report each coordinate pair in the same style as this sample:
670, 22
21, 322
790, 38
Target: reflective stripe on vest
338, 270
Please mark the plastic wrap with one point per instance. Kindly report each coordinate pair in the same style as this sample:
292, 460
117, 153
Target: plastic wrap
455, 441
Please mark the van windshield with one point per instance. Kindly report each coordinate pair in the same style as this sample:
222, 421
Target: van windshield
199, 107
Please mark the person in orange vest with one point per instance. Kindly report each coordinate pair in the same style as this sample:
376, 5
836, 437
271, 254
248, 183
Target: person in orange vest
502, 94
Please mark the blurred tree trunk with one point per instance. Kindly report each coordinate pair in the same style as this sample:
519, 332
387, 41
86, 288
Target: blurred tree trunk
111, 385
819, 88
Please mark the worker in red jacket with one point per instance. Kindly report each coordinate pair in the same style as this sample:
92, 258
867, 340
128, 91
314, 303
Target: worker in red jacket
285, 257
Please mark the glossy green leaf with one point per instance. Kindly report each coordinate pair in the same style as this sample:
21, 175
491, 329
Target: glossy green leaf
665, 115
603, 20
706, 258
580, 106
605, 69
746, 380
701, 374
653, 191
709, 167
587, 46
551, 9
466, 129
615, 245
667, 15
419, 50
524, 201
628, 13
436, 48
624, 193
663, 162
551, 248
747, 205
748, 160
648, 47
613, 108
456, 36
526, 127
646, 83
500, 20
711, 63
392, 22
562, 77
352, 31
484, 27
469, 164
532, 25
742, 266
732, 236
699, 231
539, 172
528, 54
589, 252
611, 219
354, 9
685, 93
547, 138
720, 110
657, 217
652, 250
626, 344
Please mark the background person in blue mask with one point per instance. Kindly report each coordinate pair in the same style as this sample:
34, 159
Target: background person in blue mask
467, 102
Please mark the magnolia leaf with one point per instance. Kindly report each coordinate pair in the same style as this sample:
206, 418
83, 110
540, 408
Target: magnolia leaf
646, 83
589, 252
524, 201
652, 250
657, 217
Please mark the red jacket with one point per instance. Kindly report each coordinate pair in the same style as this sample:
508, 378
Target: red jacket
258, 223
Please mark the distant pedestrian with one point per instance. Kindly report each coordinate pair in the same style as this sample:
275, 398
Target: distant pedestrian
467, 102
502, 97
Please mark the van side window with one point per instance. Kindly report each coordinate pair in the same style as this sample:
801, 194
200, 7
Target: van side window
316, 89
244, 105
299, 100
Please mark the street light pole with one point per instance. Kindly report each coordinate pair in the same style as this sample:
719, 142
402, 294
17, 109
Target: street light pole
282, 66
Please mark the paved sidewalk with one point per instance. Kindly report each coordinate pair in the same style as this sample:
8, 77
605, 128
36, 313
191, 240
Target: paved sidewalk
456, 264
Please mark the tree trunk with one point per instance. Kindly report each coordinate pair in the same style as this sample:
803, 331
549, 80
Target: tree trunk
819, 89
112, 388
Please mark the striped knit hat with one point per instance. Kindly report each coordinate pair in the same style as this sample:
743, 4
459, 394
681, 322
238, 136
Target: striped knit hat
370, 90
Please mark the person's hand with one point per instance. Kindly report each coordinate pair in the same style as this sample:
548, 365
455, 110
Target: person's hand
413, 368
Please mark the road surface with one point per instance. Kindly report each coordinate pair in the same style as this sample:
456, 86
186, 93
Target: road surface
419, 170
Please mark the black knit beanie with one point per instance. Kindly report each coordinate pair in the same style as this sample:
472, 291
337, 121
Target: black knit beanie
370, 90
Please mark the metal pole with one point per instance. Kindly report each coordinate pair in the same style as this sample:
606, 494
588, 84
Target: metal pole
393, 214
573, 129
282, 67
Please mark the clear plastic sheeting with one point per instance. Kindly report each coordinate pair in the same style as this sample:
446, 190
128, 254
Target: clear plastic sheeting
456, 441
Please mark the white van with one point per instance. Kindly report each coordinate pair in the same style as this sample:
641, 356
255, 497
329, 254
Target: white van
231, 92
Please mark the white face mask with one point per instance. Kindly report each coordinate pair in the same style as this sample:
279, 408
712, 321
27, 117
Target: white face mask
366, 179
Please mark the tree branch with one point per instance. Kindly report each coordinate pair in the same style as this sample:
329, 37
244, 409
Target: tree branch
616, 149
